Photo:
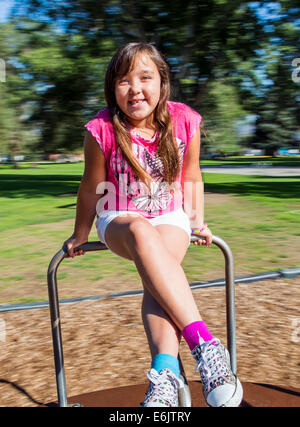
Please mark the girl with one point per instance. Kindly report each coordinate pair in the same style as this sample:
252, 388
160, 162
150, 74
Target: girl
142, 179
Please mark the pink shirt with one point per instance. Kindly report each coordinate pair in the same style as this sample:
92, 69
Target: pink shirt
124, 191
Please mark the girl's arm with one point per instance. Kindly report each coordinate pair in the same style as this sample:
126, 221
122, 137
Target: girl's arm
87, 198
193, 189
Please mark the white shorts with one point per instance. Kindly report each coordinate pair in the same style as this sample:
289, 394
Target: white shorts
178, 218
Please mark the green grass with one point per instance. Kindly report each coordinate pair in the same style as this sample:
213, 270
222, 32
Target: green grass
254, 160
38, 195
258, 216
263, 188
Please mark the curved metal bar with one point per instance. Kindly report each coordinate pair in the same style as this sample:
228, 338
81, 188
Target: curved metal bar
56, 328
94, 246
230, 300
55, 317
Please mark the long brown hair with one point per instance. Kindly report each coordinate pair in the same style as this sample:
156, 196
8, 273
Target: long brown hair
122, 63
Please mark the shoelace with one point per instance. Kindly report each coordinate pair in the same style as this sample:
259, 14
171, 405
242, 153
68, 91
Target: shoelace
166, 384
210, 361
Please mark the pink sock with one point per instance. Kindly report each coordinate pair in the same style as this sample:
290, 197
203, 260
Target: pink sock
190, 333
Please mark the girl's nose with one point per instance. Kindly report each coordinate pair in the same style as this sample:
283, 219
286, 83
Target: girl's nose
135, 87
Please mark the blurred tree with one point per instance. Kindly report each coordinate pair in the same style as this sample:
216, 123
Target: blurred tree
14, 95
278, 111
277, 103
221, 123
204, 43
202, 40
66, 80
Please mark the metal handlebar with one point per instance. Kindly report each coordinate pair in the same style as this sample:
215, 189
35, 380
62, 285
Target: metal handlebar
98, 246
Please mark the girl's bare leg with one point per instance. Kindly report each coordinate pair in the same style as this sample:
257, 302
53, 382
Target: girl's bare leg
136, 239
163, 335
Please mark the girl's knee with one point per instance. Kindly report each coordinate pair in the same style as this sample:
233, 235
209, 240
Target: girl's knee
142, 235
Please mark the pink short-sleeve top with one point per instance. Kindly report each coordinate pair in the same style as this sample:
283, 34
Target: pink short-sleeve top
124, 191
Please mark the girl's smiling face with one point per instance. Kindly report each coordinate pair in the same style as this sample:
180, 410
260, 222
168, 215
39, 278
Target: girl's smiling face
137, 93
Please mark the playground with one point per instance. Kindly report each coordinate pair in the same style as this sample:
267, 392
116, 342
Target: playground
162, 88
267, 344
267, 314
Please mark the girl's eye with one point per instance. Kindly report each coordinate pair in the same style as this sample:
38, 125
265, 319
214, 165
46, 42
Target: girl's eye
146, 77
123, 81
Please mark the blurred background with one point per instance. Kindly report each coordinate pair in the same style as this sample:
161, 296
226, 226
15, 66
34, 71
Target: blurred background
236, 62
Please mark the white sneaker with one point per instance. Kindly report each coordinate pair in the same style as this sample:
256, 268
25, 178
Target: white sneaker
163, 389
220, 386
